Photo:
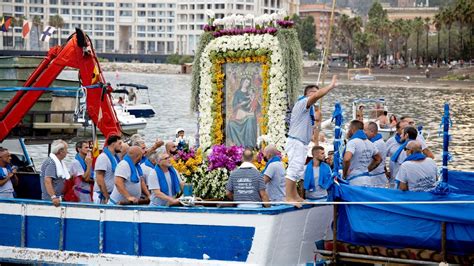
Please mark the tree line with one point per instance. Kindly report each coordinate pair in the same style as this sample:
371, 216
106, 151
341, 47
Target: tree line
404, 39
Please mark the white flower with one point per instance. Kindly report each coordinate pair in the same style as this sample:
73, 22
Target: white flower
218, 22
210, 13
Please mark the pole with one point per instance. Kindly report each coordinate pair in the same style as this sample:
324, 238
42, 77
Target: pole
337, 118
327, 50
445, 122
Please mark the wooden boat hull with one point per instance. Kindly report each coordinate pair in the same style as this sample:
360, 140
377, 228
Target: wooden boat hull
85, 233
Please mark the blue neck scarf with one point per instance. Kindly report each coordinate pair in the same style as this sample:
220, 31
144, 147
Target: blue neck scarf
416, 156
149, 163
114, 159
325, 180
133, 169
143, 160
311, 110
395, 156
175, 186
398, 138
9, 170
272, 160
359, 134
377, 137
84, 165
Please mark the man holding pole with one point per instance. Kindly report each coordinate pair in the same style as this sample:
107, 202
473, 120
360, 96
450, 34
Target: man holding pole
300, 133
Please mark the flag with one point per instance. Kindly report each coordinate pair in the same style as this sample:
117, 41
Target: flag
26, 29
6, 21
47, 33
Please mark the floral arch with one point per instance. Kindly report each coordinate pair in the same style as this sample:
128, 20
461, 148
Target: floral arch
267, 55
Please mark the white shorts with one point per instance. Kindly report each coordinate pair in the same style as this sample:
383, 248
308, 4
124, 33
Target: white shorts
297, 152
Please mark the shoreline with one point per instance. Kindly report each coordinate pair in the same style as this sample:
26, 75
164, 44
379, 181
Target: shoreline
389, 80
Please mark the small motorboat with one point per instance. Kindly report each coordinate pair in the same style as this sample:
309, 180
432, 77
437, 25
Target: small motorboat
370, 110
129, 123
130, 98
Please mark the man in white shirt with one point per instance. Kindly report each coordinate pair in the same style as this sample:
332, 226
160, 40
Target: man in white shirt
127, 181
7, 175
378, 174
164, 182
300, 133
361, 156
417, 172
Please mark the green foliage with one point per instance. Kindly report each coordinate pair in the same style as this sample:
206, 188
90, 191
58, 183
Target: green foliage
306, 33
292, 60
206, 37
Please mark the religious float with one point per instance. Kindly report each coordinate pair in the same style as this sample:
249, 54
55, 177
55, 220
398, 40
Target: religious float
247, 73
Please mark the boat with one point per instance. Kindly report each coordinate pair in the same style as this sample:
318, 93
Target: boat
372, 109
380, 225
129, 123
96, 234
137, 107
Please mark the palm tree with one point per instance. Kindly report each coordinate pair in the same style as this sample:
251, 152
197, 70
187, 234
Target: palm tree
406, 30
427, 29
418, 28
438, 22
396, 32
448, 19
37, 23
58, 22
462, 11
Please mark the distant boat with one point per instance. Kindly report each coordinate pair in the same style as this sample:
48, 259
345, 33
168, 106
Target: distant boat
373, 108
129, 123
135, 105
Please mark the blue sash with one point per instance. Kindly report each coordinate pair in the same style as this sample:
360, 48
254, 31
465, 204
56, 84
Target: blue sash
2, 174
272, 160
311, 110
114, 159
325, 176
84, 165
398, 138
175, 186
143, 160
377, 137
417, 156
359, 134
149, 164
395, 156
133, 169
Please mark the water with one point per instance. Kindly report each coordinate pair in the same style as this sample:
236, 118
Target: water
170, 96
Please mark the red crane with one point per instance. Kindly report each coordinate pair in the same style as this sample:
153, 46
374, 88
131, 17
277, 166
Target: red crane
76, 53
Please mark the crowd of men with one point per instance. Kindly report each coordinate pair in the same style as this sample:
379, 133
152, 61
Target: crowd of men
125, 173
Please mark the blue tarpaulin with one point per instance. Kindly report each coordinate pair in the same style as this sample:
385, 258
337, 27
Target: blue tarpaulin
462, 181
405, 225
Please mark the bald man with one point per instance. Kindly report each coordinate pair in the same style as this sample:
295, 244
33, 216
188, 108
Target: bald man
128, 183
274, 174
171, 148
378, 175
417, 172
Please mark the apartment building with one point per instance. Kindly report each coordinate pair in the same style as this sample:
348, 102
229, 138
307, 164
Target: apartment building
128, 26
322, 18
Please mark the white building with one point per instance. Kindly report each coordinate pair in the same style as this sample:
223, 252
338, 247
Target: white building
127, 26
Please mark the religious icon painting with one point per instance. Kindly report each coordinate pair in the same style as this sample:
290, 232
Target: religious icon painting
243, 103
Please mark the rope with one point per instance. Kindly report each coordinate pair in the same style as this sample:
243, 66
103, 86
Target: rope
339, 202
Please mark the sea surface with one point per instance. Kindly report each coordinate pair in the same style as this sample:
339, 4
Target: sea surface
170, 96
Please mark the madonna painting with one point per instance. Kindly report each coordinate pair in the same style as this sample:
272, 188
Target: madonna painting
243, 90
